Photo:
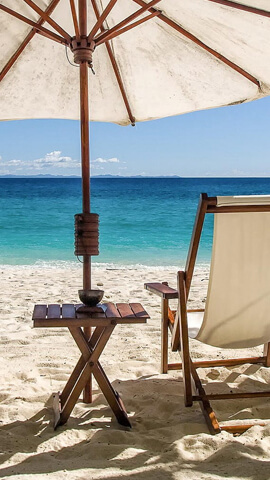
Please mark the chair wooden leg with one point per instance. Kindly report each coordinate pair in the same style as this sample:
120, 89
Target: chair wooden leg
184, 341
206, 408
164, 335
266, 353
175, 344
209, 414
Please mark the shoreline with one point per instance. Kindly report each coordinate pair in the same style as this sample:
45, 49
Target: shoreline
99, 266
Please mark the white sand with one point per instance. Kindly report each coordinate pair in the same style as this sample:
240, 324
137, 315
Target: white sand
167, 441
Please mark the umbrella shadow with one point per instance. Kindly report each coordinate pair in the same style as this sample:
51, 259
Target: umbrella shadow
238, 379
162, 432
234, 460
96, 441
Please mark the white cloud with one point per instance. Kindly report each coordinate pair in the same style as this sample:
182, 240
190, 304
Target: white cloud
108, 160
56, 163
110, 165
97, 167
14, 162
50, 160
56, 160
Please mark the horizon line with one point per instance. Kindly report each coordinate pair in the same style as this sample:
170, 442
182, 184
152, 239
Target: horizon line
108, 176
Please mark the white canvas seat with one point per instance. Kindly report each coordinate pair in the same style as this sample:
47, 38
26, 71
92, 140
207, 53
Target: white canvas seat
195, 320
237, 312
237, 308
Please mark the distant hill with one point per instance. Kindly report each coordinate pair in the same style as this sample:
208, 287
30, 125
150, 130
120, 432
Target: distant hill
135, 176
93, 176
39, 176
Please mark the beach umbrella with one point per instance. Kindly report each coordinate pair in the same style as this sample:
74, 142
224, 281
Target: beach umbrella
138, 60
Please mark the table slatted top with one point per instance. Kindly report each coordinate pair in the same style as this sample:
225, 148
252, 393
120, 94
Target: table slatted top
55, 315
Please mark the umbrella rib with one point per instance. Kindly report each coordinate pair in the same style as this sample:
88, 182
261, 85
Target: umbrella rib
27, 39
109, 36
115, 69
101, 19
120, 83
241, 6
41, 30
210, 50
127, 20
48, 19
75, 19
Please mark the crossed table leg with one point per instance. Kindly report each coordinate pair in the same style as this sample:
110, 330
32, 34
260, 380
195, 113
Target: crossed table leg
88, 364
68, 315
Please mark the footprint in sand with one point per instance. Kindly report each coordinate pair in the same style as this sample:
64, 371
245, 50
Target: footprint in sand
213, 374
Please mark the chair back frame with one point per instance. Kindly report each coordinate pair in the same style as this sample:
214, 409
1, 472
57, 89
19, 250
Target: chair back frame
209, 205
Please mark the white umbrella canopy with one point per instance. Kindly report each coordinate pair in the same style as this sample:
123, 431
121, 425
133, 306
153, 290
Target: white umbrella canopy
195, 54
152, 59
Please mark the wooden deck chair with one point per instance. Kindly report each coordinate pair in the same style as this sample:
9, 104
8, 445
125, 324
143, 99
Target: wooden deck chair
237, 309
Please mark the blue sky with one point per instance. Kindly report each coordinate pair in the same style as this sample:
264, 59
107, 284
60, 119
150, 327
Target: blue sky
229, 141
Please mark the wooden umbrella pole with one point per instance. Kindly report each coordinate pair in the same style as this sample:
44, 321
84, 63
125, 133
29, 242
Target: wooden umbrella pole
85, 149
85, 159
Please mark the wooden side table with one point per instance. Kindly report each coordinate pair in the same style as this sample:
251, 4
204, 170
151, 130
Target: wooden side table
104, 323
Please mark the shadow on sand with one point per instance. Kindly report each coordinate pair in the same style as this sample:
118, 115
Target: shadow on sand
167, 441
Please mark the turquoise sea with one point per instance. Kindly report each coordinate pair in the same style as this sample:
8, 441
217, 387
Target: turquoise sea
142, 220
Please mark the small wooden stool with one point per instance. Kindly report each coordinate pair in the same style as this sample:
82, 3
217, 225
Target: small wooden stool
66, 315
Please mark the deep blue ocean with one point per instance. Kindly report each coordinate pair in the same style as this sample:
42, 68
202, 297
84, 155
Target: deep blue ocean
142, 221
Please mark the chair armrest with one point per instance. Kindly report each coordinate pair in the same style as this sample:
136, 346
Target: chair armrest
162, 290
